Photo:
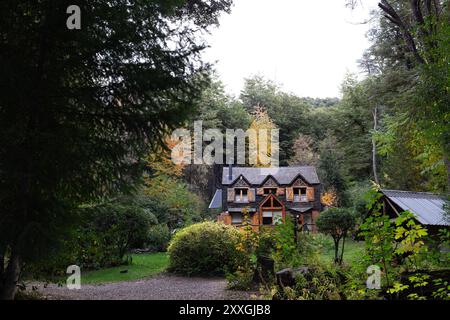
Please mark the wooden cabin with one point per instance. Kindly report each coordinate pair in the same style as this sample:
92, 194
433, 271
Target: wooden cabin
269, 195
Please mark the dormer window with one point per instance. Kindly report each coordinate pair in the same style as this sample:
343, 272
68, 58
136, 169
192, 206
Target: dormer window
241, 195
300, 195
268, 191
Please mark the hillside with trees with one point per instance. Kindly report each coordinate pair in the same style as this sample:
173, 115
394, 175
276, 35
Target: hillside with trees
86, 119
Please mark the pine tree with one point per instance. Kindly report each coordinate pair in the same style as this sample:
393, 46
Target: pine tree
80, 108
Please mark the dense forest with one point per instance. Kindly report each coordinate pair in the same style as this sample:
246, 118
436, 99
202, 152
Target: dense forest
390, 127
85, 121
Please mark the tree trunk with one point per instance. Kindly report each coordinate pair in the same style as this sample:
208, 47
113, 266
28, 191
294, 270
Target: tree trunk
395, 18
2, 262
8, 285
374, 145
342, 250
336, 250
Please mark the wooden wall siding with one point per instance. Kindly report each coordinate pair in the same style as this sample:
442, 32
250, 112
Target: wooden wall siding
225, 218
230, 194
251, 195
310, 194
285, 194
315, 215
270, 183
255, 219
280, 191
290, 194
241, 183
299, 183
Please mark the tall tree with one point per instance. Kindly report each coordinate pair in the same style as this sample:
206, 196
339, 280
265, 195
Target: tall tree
263, 150
79, 108
330, 167
352, 128
287, 111
304, 152
411, 47
217, 110
374, 146
417, 22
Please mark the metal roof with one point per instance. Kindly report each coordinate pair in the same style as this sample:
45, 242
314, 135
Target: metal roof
427, 207
283, 175
216, 202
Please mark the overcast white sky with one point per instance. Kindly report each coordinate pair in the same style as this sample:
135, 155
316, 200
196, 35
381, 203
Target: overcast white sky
305, 45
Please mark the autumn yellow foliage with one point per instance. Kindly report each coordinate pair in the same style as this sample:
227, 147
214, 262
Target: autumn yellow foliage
329, 198
262, 121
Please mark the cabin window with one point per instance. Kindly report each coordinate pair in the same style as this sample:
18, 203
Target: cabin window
300, 195
236, 218
277, 217
272, 217
268, 191
241, 195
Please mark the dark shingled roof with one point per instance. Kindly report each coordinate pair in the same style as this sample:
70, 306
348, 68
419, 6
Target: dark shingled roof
427, 207
284, 175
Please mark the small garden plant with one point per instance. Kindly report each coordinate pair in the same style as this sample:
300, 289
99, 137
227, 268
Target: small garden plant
337, 222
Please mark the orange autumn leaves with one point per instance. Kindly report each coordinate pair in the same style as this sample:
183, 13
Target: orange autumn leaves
329, 198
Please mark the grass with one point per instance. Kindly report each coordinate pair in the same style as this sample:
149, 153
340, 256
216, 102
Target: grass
142, 266
353, 251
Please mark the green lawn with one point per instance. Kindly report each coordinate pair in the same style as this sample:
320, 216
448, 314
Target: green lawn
143, 265
353, 251
148, 264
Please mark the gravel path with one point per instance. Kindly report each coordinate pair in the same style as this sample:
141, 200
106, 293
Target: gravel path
161, 287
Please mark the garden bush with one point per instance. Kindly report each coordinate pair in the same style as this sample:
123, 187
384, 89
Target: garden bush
205, 248
241, 279
287, 252
158, 237
101, 238
110, 232
319, 282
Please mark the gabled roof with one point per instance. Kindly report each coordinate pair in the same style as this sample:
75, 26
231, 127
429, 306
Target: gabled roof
283, 175
216, 202
273, 200
427, 207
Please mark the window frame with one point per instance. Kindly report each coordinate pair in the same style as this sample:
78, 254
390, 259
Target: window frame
299, 196
237, 214
239, 196
273, 214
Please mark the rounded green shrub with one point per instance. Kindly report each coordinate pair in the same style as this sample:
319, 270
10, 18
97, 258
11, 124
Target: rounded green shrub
205, 248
